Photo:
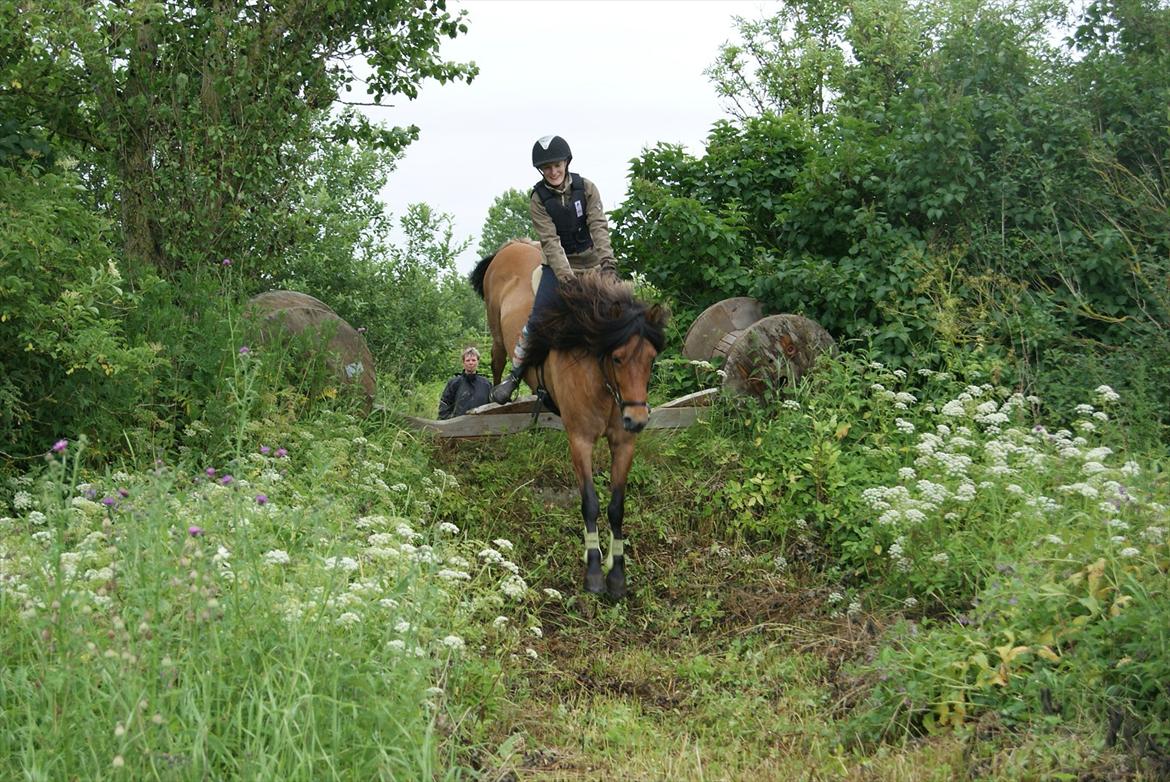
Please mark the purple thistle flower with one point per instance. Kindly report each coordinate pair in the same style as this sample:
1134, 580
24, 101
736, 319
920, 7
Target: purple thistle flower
226, 262
109, 502
227, 480
264, 449
281, 453
210, 472
245, 350
195, 531
124, 492
60, 446
261, 499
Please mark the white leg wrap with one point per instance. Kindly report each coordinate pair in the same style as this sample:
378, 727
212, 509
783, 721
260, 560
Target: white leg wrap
592, 540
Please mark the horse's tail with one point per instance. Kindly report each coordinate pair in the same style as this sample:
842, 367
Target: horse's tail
476, 276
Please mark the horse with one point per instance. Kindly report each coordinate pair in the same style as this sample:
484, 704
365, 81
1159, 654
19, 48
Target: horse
593, 352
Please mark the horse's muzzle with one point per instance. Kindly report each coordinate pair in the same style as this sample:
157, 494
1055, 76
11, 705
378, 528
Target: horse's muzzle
635, 416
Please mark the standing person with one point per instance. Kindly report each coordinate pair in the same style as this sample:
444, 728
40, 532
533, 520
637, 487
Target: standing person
465, 391
570, 222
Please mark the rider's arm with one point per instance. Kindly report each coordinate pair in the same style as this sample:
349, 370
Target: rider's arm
598, 227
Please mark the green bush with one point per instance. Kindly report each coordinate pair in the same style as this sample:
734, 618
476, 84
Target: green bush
70, 363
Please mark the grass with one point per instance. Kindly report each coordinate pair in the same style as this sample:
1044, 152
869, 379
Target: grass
396, 608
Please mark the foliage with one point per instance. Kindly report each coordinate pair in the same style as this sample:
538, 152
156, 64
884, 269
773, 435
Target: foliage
931, 176
507, 219
137, 636
197, 122
68, 362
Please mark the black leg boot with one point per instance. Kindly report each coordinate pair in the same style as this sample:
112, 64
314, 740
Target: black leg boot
502, 394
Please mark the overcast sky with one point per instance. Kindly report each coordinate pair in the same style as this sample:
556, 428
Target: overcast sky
610, 76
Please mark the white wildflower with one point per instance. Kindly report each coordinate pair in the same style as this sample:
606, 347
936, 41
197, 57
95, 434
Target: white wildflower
1128, 552
514, 586
344, 564
499, 622
502, 544
276, 557
448, 527
1107, 394
22, 500
348, 619
396, 645
454, 643
552, 593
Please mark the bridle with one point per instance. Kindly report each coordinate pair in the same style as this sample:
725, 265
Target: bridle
614, 388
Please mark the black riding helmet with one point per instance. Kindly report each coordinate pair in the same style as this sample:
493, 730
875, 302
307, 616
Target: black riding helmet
550, 149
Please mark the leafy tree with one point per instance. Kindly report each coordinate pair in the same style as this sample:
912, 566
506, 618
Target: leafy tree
195, 115
951, 178
790, 61
507, 219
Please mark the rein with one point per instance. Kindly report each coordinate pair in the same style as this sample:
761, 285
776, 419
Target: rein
615, 389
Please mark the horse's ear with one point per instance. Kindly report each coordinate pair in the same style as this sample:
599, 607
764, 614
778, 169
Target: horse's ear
659, 314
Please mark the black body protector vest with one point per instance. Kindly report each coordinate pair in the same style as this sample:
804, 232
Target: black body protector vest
569, 218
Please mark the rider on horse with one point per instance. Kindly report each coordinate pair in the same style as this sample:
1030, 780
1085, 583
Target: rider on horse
567, 214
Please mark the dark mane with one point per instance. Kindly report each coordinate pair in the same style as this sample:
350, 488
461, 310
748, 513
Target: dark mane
596, 314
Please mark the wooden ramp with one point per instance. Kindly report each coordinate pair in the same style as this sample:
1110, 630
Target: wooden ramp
491, 420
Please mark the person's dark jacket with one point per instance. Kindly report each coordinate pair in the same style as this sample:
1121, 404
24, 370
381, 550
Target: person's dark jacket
464, 392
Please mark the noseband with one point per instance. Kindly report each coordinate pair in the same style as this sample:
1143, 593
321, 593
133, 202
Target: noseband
614, 388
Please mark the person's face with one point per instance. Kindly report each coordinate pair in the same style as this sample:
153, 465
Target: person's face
554, 172
470, 363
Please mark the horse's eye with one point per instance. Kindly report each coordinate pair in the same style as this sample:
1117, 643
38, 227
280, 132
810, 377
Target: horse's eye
616, 360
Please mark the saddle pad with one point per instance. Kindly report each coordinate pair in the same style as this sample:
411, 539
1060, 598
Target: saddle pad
536, 274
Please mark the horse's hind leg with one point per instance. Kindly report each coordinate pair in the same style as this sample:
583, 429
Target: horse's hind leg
582, 452
623, 457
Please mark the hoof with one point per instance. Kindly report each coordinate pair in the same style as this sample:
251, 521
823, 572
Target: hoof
615, 587
594, 583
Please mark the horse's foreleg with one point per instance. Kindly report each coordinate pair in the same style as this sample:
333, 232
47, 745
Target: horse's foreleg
623, 456
582, 451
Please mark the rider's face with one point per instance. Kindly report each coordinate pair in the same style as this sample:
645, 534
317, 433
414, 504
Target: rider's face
470, 363
554, 172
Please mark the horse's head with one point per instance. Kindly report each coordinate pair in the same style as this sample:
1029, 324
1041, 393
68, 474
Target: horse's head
597, 315
627, 376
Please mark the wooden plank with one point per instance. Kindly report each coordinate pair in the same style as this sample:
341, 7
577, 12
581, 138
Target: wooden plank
697, 399
492, 420
480, 425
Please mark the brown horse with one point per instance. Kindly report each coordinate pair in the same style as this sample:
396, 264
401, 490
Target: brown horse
594, 349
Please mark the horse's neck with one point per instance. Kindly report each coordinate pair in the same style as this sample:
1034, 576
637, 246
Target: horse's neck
574, 376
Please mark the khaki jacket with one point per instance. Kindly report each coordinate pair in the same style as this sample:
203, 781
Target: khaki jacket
563, 266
